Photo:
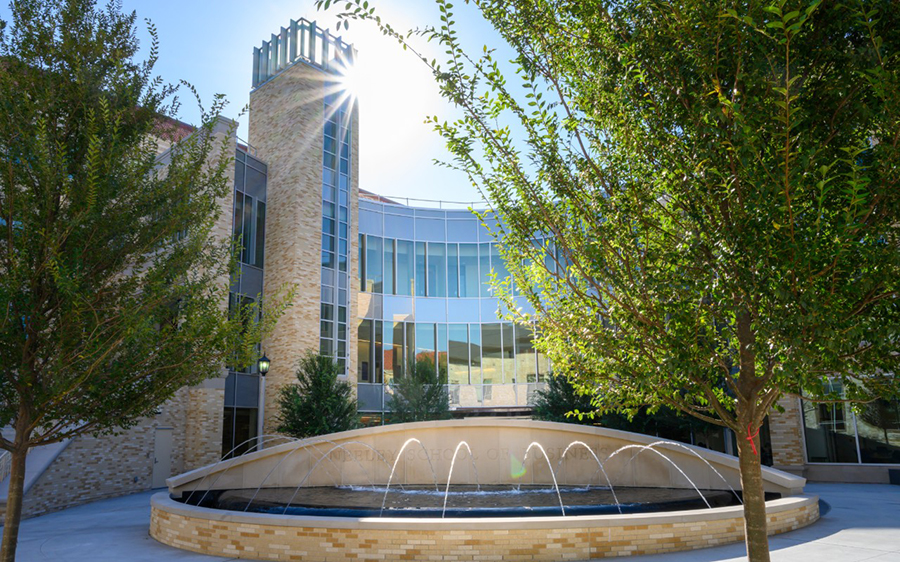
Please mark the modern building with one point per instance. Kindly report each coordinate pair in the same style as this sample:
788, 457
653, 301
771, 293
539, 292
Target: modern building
381, 284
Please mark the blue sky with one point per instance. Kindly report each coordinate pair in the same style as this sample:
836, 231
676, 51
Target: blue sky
209, 43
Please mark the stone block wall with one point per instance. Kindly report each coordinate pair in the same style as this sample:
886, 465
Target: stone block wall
204, 420
286, 128
786, 433
98, 467
545, 539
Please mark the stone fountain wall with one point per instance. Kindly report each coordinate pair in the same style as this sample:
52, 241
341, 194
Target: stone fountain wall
422, 453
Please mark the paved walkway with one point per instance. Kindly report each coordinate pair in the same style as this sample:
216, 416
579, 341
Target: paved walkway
862, 524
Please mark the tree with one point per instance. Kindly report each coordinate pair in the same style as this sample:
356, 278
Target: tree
113, 286
698, 198
420, 394
319, 403
561, 401
565, 402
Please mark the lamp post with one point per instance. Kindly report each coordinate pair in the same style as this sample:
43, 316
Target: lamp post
263, 367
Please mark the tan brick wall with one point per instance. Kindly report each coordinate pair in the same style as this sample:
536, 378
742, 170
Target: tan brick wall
272, 542
786, 433
93, 468
203, 422
286, 127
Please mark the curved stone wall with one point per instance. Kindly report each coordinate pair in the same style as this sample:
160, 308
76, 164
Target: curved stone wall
367, 456
272, 537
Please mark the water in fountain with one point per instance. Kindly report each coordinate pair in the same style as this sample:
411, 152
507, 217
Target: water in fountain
599, 464
234, 460
260, 440
552, 473
696, 454
359, 500
648, 448
327, 455
397, 460
450, 474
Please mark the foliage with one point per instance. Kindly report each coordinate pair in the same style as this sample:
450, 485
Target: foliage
713, 188
420, 394
560, 401
113, 286
319, 403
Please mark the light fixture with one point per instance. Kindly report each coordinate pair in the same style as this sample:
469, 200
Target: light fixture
263, 365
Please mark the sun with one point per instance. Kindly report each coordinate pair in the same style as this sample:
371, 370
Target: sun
349, 80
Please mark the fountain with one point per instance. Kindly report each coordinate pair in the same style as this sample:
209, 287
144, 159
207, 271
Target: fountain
523, 490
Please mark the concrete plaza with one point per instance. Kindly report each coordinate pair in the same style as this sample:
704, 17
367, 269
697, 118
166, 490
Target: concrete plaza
863, 523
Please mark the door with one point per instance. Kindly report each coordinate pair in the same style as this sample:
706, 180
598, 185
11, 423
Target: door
162, 456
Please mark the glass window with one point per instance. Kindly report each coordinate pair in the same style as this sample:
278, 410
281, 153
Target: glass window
247, 238
492, 353
410, 344
526, 367
475, 353
376, 352
388, 266
398, 357
362, 262
468, 270
458, 371
239, 174
364, 351
238, 221
420, 269
452, 270
878, 425
509, 362
829, 433
442, 352
260, 234
437, 270
256, 184
484, 255
406, 263
544, 368
393, 351
373, 264
425, 348
499, 265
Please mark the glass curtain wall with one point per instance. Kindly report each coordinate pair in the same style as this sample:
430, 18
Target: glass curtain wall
835, 434
249, 230
335, 230
465, 354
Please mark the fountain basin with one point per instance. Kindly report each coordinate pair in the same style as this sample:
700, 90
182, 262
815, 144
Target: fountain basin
263, 536
465, 501
447, 455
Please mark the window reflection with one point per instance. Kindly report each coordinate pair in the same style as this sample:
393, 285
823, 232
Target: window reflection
878, 425
437, 270
405, 268
458, 372
420, 269
829, 432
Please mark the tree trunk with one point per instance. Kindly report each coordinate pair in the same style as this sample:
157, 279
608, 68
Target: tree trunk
755, 521
14, 505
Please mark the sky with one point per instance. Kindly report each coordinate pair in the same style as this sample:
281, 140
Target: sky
210, 43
